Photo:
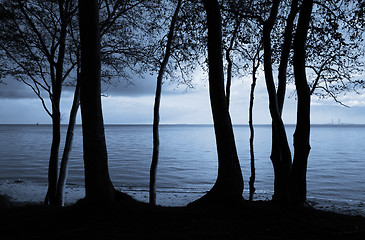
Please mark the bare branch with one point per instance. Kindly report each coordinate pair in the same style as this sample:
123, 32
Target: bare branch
333, 96
40, 38
38, 93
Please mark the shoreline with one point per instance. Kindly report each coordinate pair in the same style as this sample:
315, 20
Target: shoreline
24, 193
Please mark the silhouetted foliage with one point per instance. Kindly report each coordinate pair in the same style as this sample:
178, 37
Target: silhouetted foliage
318, 45
328, 58
335, 49
40, 47
34, 40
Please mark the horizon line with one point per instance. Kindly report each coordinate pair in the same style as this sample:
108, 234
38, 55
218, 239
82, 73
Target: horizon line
184, 124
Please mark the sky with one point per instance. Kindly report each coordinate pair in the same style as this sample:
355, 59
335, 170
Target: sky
133, 104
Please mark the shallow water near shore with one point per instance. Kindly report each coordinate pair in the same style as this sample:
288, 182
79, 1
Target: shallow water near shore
188, 161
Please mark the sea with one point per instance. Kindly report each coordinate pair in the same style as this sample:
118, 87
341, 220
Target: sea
188, 158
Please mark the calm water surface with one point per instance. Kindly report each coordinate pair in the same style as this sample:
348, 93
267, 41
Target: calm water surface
188, 159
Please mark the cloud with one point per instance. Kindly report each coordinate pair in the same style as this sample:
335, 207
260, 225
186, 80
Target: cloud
356, 103
188, 108
354, 99
138, 86
351, 99
13, 89
328, 114
142, 86
22, 111
130, 104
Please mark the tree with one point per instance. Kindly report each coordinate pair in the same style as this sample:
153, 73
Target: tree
23, 48
332, 65
298, 172
281, 165
34, 41
243, 52
74, 43
98, 185
114, 66
228, 187
334, 49
255, 65
173, 55
229, 59
281, 160
156, 112
61, 183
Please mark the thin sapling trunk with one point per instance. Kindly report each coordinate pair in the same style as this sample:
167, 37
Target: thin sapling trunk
255, 66
156, 112
60, 196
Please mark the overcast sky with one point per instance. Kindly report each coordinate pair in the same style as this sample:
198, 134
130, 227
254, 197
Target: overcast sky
133, 104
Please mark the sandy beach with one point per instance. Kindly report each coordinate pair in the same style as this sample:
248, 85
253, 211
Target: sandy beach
22, 193
29, 219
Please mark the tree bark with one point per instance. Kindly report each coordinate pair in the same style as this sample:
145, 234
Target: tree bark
228, 187
60, 195
302, 130
156, 112
98, 186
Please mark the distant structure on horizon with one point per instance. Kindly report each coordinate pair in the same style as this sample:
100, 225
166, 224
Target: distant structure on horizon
338, 122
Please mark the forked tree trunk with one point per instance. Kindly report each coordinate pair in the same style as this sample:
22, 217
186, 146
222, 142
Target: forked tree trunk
57, 79
281, 155
98, 186
156, 112
228, 187
302, 130
276, 155
60, 195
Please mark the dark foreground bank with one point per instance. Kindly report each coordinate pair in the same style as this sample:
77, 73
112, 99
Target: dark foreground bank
258, 220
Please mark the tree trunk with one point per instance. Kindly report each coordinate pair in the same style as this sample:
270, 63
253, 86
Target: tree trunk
255, 66
53, 159
285, 52
276, 155
281, 180
228, 187
281, 155
156, 112
230, 62
57, 79
302, 130
98, 186
60, 195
